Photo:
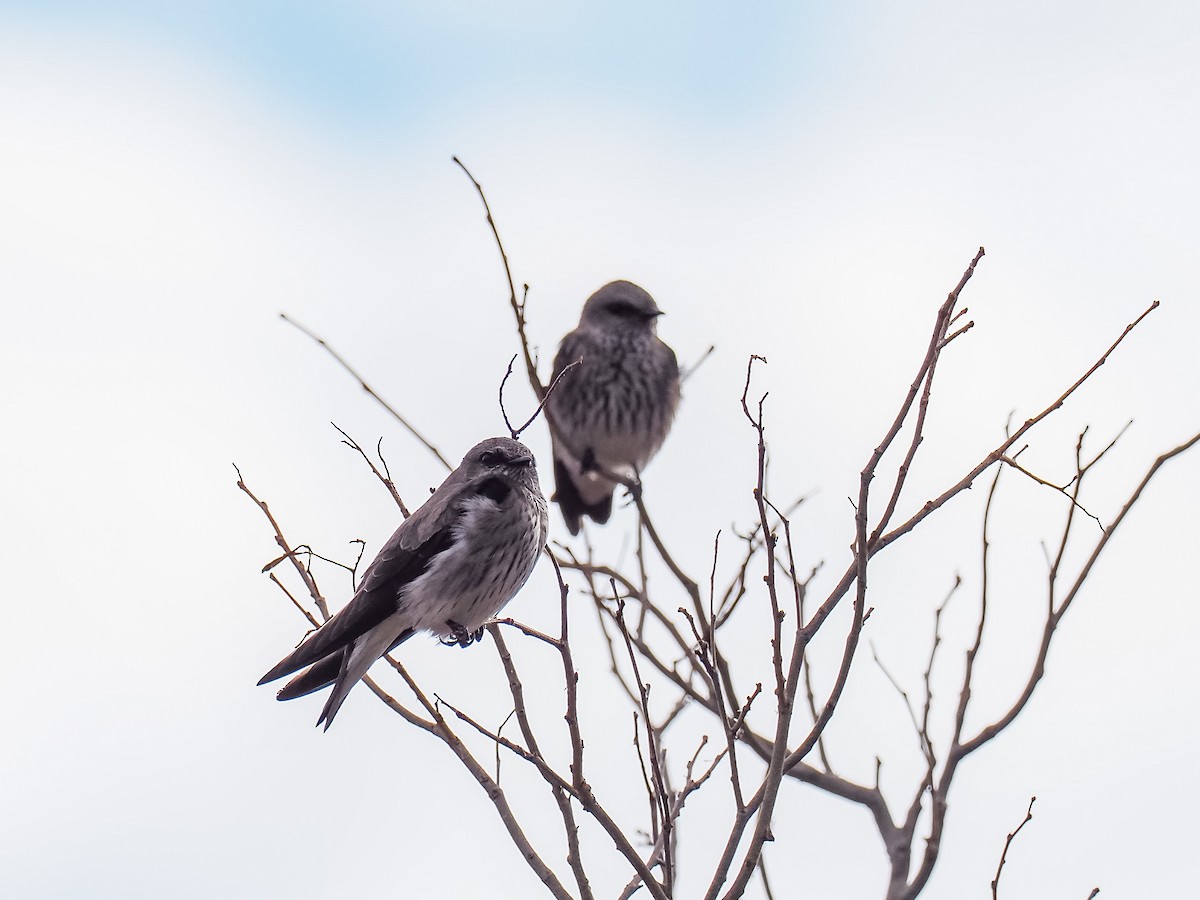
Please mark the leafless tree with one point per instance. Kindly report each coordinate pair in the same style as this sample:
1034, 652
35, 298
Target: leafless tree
667, 651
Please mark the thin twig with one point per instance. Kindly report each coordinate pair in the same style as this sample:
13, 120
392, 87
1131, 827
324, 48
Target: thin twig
516, 432
688, 371
1008, 843
518, 306
1011, 461
912, 713
301, 569
659, 796
561, 798
384, 476
370, 390
967, 480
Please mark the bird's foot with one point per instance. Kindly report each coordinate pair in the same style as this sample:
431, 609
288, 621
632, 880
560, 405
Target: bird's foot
634, 486
460, 637
633, 489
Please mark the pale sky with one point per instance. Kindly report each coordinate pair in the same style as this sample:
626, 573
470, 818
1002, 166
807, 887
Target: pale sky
805, 183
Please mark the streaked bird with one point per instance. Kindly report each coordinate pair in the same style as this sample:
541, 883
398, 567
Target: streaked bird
451, 566
611, 414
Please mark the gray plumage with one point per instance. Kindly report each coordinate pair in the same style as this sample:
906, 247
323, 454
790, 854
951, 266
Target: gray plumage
612, 413
451, 566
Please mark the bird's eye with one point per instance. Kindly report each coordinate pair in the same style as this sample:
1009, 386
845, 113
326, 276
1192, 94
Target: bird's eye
621, 308
489, 457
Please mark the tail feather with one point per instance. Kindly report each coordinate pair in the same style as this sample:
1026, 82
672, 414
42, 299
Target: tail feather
355, 662
341, 688
318, 675
601, 509
335, 669
571, 503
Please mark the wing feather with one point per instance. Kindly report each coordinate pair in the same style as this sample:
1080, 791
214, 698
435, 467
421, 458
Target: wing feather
407, 554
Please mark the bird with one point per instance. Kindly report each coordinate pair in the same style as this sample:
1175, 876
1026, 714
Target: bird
449, 568
610, 415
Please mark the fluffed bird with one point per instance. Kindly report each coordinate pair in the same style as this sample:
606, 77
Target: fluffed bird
449, 568
610, 415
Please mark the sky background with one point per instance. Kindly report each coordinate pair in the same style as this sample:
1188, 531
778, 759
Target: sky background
804, 182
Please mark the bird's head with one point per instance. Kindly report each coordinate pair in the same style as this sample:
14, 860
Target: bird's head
621, 306
503, 456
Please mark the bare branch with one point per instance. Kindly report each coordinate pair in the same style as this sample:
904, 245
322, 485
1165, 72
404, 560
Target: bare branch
967, 480
659, 796
370, 390
937, 342
561, 797
384, 476
685, 581
688, 371
1052, 623
730, 723
679, 799
694, 670
518, 306
312, 620
912, 713
1011, 461
516, 432
1008, 843
301, 569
